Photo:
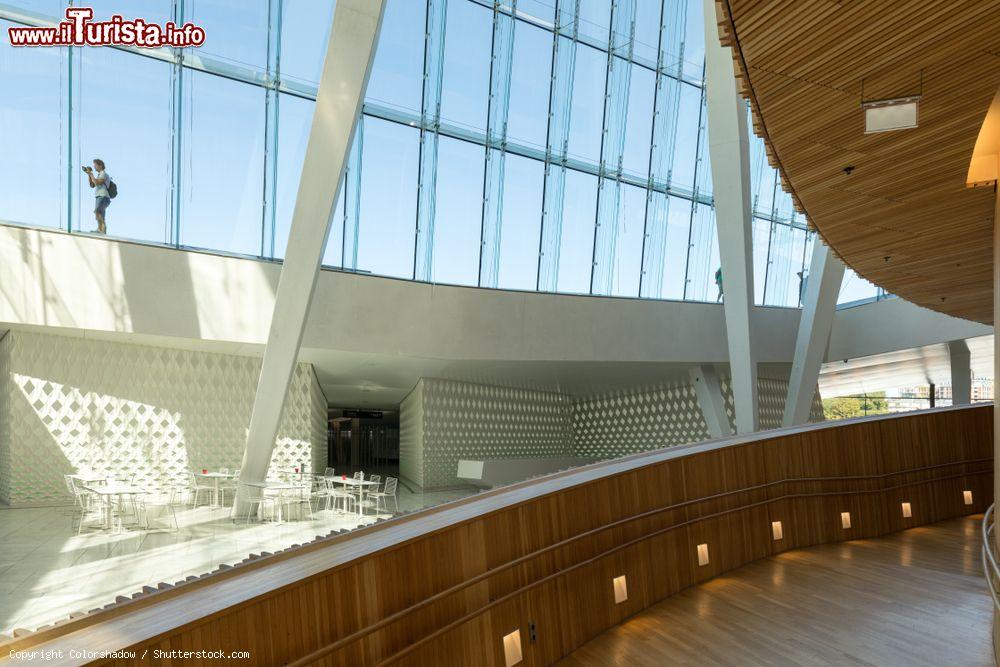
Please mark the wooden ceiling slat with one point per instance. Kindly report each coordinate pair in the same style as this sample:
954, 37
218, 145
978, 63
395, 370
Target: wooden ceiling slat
801, 64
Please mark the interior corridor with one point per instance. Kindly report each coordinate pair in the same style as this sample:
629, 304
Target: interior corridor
916, 598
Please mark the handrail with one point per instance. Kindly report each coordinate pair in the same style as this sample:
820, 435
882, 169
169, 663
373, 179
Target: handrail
440, 595
990, 568
477, 506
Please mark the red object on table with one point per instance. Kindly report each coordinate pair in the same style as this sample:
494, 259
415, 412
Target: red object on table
344, 477
296, 470
204, 471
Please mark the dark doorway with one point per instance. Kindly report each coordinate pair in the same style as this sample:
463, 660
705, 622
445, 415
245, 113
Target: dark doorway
366, 440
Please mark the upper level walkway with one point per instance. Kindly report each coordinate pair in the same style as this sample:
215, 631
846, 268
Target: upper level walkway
914, 598
548, 564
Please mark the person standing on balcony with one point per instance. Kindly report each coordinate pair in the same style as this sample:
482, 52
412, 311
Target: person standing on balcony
718, 283
100, 180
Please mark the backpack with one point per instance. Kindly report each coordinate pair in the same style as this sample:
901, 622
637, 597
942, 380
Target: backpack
112, 189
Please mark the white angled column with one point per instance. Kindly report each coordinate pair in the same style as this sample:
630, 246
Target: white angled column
713, 405
349, 55
729, 152
819, 306
961, 372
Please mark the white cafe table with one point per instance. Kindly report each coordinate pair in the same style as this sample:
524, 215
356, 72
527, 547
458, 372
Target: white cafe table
360, 485
279, 487
89, 478
215, 477
108, 491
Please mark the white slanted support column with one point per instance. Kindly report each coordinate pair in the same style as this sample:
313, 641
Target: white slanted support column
729, 152
961, 372
713, 405
826, 272
349, 56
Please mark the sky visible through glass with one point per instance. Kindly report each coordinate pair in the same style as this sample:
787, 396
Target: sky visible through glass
207, 153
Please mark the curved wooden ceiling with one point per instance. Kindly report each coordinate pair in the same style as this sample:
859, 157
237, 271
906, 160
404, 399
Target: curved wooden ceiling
903, 217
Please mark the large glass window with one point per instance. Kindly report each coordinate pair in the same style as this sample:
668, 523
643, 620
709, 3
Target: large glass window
305, 27
595, 20
855, 288
686, 138
151, 11
466, 83
294, 120
676, 253
531, 74
703, 256
761, 244
125, 121
647, 30
587, 115
694, 42
639, 123
389, 156
32, 120
628, 246
235, 30
576, 243
784, 269
223, 161
397, 73
46, 8
522, 220
226, 144
459, 212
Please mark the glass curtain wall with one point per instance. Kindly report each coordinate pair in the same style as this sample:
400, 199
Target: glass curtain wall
551, 145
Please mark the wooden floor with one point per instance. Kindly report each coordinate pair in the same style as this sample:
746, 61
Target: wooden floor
914, 598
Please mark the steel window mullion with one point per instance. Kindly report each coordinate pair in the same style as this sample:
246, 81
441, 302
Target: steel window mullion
694, 203
652, 142
272, 104
176, 134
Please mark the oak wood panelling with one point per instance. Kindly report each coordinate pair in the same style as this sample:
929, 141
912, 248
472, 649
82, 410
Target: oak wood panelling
917, 598
443, 586
903, 217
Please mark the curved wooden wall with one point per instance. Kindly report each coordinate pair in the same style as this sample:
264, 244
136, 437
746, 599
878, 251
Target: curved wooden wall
540, 557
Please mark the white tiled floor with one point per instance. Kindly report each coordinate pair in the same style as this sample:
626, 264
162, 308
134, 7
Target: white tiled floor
47, 571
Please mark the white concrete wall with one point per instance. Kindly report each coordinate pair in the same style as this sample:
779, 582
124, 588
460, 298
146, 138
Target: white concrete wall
92, 284
411, 436
894, 324
163, 296
70, 404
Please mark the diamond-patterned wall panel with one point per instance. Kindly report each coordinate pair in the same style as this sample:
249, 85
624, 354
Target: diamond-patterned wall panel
771, 394
411, 436
463, 420
118, 408
623, 423
442, 421
6, 342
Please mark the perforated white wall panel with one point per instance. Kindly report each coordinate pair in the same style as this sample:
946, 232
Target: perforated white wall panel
463, 420
115, 408
626, 422
442, 421
411, 436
